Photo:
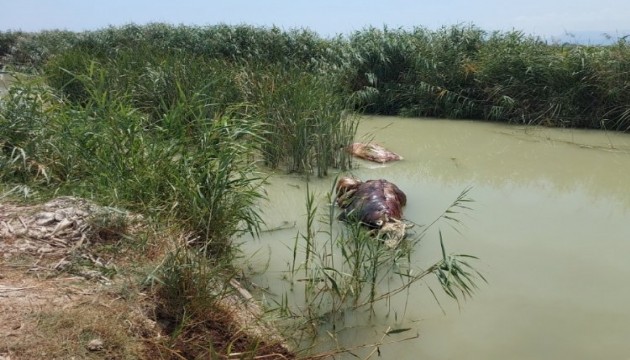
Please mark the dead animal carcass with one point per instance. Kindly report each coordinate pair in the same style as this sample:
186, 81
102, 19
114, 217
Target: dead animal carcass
372, 152
376, 204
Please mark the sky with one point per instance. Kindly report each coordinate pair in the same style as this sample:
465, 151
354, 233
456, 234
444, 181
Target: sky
550, 19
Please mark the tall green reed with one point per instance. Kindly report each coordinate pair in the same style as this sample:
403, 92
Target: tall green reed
303, 112
305, 122
190, 167
459, 71
464, 72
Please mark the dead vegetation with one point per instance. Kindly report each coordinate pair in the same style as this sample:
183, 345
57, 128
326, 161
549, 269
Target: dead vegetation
72, 285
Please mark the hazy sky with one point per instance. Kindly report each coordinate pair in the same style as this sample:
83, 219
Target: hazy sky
326, 17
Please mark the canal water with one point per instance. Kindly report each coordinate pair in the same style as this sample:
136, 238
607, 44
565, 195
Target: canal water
550, 224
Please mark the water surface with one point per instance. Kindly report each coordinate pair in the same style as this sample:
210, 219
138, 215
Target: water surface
550, 226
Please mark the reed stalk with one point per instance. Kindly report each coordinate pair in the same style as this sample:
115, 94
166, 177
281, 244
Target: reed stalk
367, 272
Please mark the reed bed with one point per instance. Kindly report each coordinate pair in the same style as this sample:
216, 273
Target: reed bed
176, 122
457, 72
108, 150
464, 72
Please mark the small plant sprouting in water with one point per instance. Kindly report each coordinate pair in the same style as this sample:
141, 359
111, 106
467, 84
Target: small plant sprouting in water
348, 268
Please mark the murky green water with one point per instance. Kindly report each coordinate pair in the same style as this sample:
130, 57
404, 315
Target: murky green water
550, 226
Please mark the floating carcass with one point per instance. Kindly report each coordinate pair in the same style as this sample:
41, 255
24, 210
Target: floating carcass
372, 152
376, 204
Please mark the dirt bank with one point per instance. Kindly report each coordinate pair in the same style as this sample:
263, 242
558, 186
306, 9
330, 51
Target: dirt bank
70, 286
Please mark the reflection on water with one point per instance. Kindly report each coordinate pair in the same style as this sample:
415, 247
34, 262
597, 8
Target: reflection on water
550, 225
